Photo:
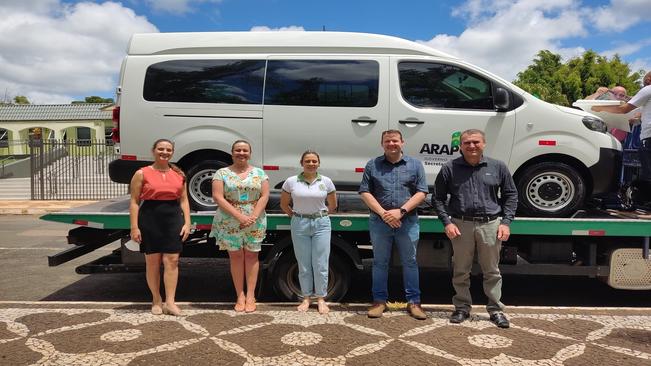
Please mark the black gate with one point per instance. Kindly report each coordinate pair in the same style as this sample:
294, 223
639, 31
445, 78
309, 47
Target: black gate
72, 170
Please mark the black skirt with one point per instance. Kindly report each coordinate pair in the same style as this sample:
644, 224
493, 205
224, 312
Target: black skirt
160, 224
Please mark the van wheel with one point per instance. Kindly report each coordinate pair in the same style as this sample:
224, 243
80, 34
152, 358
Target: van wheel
200, 184
550, 189
285, 277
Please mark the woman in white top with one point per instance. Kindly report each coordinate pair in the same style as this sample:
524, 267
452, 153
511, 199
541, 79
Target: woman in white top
304, 198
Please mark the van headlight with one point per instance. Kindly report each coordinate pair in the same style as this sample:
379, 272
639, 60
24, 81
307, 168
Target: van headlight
594, 123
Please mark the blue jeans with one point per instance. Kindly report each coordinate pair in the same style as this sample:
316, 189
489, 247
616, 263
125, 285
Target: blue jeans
383, 237
311, 238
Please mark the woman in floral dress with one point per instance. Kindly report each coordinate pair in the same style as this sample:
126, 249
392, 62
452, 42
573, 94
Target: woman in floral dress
241, 192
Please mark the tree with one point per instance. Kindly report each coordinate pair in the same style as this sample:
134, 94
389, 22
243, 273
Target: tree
563, 83
94, 99
21, 99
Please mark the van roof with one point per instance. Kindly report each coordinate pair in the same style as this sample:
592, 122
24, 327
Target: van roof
275, 42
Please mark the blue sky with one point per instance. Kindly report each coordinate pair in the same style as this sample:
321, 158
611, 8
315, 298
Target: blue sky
55, 51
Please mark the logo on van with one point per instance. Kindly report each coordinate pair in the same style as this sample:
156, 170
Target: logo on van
444, 149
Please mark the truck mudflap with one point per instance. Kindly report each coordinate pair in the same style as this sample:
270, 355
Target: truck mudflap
606, 172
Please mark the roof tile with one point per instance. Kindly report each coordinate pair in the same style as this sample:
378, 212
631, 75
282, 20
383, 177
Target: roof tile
54, 112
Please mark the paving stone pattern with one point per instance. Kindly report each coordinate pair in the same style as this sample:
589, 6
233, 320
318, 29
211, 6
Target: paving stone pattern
278, 335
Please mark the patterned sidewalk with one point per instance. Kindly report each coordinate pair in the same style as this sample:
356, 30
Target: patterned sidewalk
47, 333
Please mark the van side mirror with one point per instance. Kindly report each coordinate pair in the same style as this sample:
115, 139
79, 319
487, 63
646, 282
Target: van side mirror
501, 100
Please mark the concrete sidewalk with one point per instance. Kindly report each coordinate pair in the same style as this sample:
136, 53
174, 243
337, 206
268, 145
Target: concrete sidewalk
35, 207
55, 333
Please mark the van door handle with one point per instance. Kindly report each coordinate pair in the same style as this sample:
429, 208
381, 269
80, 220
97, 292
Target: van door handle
406, 121
362, 120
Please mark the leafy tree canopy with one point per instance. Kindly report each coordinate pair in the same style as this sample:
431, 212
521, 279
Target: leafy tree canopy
94, 99
562, 83
21, 99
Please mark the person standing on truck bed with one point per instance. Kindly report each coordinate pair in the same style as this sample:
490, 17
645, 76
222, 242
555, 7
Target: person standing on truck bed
304, 199
616, 93
483, 200
643, 100
392, 187
241, 192
161, 223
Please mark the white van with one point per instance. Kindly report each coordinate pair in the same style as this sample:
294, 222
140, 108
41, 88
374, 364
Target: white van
335, 93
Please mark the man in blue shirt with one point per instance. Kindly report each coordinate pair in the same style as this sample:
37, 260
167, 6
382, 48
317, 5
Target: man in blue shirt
392, 187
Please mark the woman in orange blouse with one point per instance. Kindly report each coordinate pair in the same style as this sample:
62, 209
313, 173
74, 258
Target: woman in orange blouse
160, 221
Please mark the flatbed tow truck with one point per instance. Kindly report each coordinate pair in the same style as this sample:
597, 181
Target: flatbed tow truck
612, 246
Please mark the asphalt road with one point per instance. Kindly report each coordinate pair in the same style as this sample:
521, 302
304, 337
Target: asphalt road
26, 241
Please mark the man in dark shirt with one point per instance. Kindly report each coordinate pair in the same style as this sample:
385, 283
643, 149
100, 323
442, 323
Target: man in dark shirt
392, 187
483, 200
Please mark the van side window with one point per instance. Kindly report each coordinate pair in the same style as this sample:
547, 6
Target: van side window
432, 85
327, 83
205, 81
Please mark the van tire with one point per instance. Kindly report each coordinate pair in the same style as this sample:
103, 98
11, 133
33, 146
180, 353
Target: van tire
285, 277
550, 189
199, 179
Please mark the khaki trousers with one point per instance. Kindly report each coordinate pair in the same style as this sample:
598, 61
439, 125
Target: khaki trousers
483, 238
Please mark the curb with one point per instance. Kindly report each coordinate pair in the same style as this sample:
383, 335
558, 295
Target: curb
32, 207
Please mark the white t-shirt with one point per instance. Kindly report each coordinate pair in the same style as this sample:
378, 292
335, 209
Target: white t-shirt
307, 198
643, 100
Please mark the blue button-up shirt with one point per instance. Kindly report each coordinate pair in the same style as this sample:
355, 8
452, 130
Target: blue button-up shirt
393, 184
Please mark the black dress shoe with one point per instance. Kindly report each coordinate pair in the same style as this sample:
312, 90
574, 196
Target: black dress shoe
500, 320
459, 316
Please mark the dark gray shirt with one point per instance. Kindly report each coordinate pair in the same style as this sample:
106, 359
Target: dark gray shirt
393, 184
485, 189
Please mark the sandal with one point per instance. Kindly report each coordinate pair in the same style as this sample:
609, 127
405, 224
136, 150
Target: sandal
250, 306
239, 307
323, 308
304, 306
168, 311
156, 309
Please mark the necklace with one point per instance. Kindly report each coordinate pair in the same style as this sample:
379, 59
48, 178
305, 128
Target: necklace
161, 170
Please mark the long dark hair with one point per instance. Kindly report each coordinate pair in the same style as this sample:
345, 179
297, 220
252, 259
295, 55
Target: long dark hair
172, 166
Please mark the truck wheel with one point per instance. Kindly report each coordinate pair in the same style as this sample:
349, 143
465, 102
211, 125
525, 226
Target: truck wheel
550, 189
285, 277
200, 184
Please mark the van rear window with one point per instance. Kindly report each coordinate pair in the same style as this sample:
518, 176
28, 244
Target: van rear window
205, 81
326, 83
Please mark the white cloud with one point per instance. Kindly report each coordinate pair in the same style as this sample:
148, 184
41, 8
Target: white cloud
619, 15
641, 64
51, 51
178, 6
34, 6
626, 49
264, 28
504, 36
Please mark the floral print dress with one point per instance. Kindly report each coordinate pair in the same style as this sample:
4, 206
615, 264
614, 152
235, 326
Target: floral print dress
243, 194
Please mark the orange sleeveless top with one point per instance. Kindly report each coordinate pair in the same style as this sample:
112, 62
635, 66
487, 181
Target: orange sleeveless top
157, 185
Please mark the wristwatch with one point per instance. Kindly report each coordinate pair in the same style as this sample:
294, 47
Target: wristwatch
403, 212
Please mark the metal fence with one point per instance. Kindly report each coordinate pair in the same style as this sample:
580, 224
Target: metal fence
72, 170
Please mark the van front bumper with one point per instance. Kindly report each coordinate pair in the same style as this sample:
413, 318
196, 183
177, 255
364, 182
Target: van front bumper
606, 173
121, 171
